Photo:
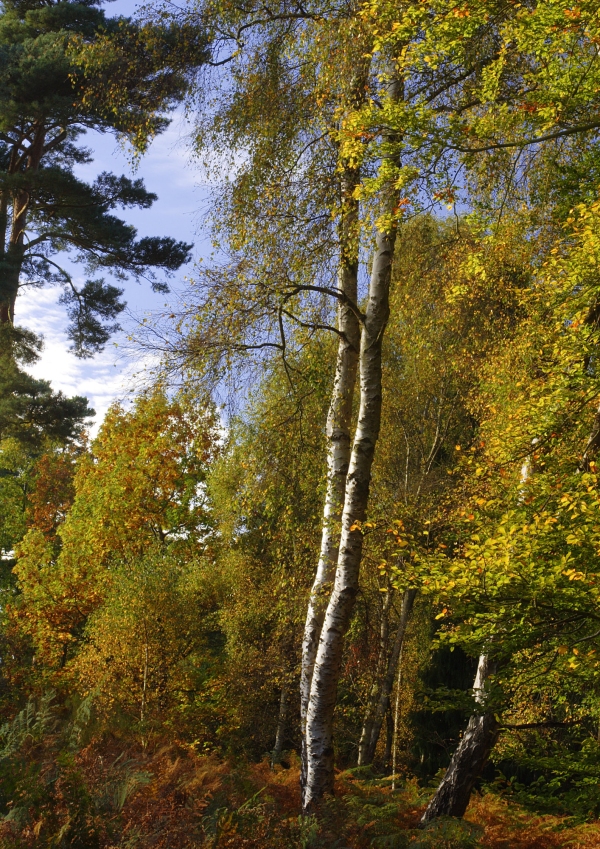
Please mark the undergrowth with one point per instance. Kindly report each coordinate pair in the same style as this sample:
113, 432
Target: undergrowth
57, 793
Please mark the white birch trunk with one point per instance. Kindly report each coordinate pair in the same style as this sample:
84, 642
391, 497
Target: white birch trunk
339, 421
452, 796
396, 721
320, 687
323, 692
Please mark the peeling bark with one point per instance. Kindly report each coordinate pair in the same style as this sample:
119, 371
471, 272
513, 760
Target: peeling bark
454, 792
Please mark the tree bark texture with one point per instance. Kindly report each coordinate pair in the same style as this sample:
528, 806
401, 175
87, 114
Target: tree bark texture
323, 692
320, 678
452, 796
387, 685
339, 422
454, 792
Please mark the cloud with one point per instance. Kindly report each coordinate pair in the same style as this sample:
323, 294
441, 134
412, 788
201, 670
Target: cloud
108, 377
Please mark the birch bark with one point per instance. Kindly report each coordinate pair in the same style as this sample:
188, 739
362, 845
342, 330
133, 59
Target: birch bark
323, 692
396, 723
318, 756
452, 796
339, 421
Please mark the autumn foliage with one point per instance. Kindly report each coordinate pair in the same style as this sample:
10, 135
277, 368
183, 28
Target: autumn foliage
378, 402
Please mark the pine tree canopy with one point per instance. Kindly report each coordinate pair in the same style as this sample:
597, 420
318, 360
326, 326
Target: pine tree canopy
62, 66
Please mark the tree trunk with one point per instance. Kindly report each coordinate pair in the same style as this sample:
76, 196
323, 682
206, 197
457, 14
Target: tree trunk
396, 721
4, 302
454, 792
317, 779
592, 445
281, 726
323, 692
12, 254
382, 659
389, 741
388, 682
9, 287
339, 421
452, 796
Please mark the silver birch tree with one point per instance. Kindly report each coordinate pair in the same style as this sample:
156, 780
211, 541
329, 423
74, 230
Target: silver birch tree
339, 420
318, 779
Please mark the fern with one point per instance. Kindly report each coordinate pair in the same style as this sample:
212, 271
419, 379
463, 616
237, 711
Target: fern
31, 724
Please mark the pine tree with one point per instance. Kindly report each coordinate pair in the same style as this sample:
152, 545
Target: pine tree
64, 69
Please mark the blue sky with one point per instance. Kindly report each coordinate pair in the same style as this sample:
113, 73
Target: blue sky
168, 171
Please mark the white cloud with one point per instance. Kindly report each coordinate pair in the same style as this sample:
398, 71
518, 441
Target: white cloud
108, 377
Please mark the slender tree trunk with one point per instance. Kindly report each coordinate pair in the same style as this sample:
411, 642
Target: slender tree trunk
388, 682
389, 741
454, 792
339, 421
4, 307
396, 721
323, 692
281, 726
592, 445
382, 658
317, 779
7, 287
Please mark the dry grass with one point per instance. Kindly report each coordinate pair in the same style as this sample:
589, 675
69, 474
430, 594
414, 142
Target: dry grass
508, 826
170, 797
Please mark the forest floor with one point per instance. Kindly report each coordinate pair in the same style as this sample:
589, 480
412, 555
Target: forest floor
170, 797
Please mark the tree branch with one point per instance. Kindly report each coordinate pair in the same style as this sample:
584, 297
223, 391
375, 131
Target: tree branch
571, 131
